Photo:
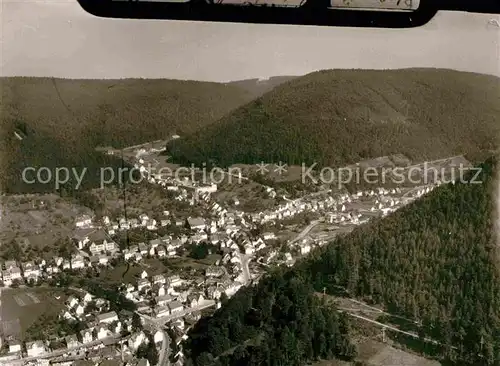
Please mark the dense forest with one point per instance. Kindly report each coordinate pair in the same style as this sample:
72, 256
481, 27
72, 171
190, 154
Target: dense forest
434, 261
60, 122
339, 117
278, 322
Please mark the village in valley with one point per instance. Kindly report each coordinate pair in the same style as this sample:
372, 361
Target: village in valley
131, 282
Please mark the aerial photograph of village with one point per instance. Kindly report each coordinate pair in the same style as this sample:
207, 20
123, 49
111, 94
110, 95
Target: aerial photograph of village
332, 217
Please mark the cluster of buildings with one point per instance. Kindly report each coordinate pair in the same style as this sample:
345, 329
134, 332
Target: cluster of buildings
174, 299
104, 330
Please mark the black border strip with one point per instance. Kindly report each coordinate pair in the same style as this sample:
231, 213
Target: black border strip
313, 12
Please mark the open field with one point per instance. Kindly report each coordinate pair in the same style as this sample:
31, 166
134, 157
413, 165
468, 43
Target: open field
27, 216
21, 307
373, 353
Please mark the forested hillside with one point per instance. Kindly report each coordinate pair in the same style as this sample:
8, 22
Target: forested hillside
338, 117
434, 261
61, 121
278, 322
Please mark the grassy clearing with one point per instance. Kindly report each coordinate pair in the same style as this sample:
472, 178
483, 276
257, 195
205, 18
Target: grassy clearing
22, 307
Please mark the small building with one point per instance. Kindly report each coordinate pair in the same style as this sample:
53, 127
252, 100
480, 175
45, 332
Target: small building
72, 341
163, 300
87, 335
83, 221
15, 347
196, 223
175, 307
36, 348
107, 317
159, 337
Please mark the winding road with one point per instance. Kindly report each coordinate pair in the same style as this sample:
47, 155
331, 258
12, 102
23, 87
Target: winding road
304, 232
163, 359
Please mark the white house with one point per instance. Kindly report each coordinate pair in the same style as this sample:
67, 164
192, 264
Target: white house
72, 341
305, 248
107, 317
214, 271
81, 237
97, 247
163, 300
80, 310
161, 251
151, 224
249, 249
143, 249
110, 246
162, 291
175, 307
30, 270
103, 260
88, 297
175, 281
14, 347
196, 223
269, 236
142, 284
116, 328
162, 311
214, 293
87, 335
7, 278
67, 315
102, 332
127, 254
72, 302
58, 261
130, 288
154, 243
36, 348
83, 221
158, 337
195, 300
159, 279
15, 273
77, 262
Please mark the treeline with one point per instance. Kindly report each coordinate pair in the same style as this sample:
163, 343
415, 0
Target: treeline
338, 117
278, 322
434, 261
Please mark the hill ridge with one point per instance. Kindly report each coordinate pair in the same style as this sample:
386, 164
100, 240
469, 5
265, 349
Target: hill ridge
64, 120
335, 117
